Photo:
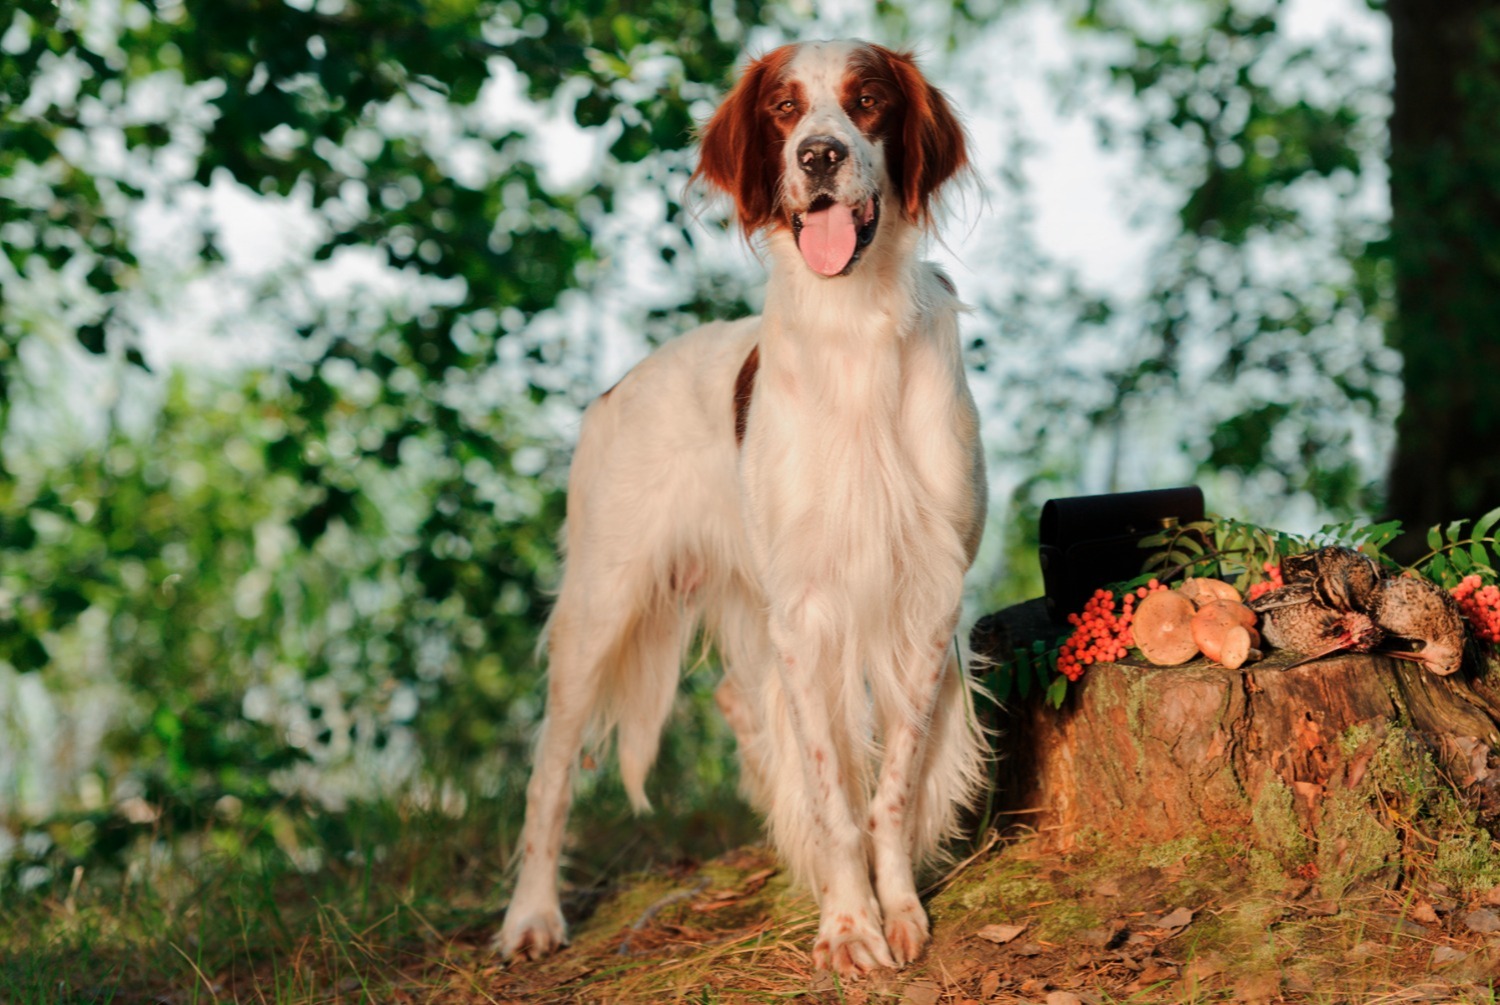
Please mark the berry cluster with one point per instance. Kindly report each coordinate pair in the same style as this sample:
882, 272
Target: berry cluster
1480, 606
1099, 633
1271, 582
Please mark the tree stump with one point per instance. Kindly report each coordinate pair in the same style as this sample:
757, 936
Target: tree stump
1300, 763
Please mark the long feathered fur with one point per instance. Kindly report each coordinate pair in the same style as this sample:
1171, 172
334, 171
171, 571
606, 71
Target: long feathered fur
817, 529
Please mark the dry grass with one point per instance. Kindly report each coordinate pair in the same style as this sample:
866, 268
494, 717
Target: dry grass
1097, 925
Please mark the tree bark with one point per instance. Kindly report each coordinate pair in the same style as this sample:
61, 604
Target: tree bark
1146, 754
1445, 246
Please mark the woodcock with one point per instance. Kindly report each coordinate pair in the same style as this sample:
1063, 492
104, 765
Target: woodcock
1338, 600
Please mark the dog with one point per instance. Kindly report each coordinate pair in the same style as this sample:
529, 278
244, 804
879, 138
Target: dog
805, 487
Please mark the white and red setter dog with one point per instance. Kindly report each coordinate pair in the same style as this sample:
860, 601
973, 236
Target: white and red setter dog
807, 488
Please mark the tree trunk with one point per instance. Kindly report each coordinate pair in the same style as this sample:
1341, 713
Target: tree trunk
1298, 763
1445, 245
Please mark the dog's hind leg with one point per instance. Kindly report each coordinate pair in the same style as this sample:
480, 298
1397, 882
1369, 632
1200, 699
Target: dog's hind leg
533, 923
610, 667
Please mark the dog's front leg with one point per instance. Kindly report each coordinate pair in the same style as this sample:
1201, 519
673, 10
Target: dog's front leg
931, 687
849, 933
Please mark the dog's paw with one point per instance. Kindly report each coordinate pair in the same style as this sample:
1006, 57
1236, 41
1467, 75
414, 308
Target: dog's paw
906, 931
531, 935
850, 945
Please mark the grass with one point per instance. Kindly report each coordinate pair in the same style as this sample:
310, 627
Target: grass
401, 906
409, 921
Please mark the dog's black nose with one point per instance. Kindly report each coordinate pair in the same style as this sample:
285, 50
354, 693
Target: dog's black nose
821, 156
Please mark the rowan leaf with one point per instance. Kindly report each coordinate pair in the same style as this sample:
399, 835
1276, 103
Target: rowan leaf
1437, 569
1486, 524
1481, 558
1382, 534
1057, 691
1001, 680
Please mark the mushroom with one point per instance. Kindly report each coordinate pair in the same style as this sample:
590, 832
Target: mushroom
1225, 632
1162, 628
1202, 590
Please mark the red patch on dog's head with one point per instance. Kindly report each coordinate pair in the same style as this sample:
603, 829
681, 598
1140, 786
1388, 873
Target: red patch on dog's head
884, 95
741, 149
924, 142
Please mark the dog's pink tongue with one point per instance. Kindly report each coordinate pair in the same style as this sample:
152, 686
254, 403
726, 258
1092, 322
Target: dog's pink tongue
827, 239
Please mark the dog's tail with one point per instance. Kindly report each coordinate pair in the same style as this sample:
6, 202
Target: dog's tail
637, 685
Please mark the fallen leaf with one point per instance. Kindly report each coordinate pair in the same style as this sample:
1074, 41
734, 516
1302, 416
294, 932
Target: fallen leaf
920, 993
1063, 998
1180, 918
1028, 949
1034, 986
1492, 896
1482, 920
712, 900
1108, 888
1424, 912
1257, 988
1000, 934
714, 903
989, 984
1153, 974
1397, 925
1204, 967
1445, 955
756, 880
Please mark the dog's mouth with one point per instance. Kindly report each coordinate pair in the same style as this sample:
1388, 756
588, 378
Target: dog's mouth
831, 235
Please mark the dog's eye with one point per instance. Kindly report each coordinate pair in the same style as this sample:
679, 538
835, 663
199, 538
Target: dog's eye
868, 101
787, 107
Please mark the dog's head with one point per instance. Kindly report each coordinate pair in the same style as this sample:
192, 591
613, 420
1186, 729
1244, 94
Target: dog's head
824, 139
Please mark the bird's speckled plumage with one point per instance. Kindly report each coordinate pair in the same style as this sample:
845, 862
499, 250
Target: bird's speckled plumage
1338, 600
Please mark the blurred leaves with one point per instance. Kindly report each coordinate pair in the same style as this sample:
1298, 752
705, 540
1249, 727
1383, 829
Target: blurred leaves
1253, 358
270, 572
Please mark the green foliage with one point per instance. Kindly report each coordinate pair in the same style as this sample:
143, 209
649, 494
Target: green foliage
1241, 552
1231, 353
1454, 554
235, 645
271, 573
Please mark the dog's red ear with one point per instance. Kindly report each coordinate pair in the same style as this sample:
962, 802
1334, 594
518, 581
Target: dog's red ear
740, 154
932, 145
